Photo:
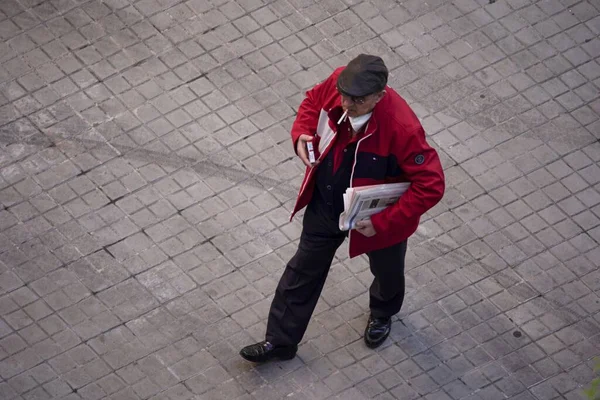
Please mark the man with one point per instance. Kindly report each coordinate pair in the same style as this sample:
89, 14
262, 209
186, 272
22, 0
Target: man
363, 133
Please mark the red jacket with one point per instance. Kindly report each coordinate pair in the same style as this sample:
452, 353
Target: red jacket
393, 149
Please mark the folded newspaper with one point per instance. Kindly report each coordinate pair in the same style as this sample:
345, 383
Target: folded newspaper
362, 202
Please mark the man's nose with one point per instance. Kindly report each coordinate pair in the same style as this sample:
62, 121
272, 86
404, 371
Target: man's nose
347, 101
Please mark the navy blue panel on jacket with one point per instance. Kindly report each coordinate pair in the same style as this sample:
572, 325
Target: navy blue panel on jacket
375, 166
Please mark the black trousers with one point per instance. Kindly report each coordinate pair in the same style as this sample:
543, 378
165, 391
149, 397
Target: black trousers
302, 281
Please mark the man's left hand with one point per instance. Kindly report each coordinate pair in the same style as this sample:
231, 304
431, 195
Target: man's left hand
365, 227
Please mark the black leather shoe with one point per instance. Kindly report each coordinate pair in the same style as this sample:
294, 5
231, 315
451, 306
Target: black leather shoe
265, 351
377, 330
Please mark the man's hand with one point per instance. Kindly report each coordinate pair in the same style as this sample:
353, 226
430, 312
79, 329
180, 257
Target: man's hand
301, 150
365, 227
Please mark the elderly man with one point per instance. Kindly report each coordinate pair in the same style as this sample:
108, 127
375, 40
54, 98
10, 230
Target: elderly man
363, 133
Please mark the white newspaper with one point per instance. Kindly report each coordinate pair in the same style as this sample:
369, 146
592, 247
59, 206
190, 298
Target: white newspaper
362, 202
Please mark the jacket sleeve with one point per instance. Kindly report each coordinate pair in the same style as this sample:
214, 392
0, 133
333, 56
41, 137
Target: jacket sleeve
423, 169
307, 118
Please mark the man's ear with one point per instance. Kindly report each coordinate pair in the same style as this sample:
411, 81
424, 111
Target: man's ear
381, 95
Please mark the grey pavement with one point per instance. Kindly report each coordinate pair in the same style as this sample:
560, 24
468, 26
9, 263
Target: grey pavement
147, 177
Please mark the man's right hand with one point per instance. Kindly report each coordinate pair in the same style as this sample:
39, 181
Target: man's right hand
302, 152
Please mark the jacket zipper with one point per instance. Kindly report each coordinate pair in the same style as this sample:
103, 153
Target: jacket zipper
352, 178
356, 153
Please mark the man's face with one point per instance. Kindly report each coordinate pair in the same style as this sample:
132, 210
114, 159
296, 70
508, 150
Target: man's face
357, 106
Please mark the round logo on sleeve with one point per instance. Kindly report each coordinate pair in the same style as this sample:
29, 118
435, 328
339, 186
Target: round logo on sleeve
419, 159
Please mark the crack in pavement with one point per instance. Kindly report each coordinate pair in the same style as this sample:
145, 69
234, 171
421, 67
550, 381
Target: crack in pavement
204, 168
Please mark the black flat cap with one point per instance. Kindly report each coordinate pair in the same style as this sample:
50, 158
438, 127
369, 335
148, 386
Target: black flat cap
363, 75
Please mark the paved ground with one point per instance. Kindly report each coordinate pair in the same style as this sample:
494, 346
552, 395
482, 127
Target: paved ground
146, 180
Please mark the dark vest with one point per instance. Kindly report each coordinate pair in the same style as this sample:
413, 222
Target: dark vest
330, 186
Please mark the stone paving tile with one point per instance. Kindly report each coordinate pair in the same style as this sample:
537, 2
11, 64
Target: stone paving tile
146, 180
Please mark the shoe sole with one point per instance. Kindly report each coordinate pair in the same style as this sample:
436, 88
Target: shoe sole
282, 355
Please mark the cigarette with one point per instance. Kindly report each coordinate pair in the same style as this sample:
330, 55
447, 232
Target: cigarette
343, 117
